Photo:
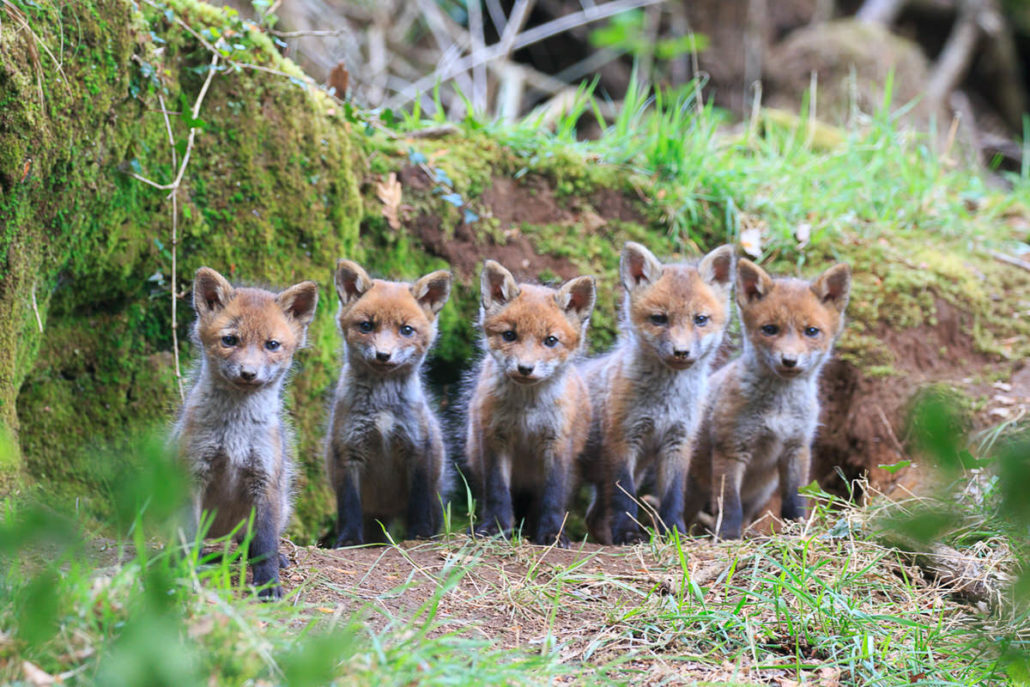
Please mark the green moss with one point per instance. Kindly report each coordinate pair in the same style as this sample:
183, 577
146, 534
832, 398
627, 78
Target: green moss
269, 197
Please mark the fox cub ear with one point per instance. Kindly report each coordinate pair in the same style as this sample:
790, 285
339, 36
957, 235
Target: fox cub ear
638, 266
834, 286
432, 291
211, 291
299, 301
716, 268
576, 297
496, 286
351, 281
753, 283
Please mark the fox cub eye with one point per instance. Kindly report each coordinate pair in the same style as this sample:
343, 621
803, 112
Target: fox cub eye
366, 326
509, 335
701, 320
659, 318
551, 341
811, 332
272, 345
407, 330
770, 330
229, 340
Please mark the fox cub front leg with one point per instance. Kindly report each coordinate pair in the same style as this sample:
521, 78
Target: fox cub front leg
264, 549
622, 496
498, 514
793, 468
727, 476
346, 481
424, 506
553, 501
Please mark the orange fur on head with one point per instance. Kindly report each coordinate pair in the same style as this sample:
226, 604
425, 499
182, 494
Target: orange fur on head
792, 323
390, 324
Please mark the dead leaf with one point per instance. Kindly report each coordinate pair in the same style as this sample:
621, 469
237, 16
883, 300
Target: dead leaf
36, 676
339, 79
389, 192
592, 221
829, 676
751, 241
803, 233
752, 230
202, 627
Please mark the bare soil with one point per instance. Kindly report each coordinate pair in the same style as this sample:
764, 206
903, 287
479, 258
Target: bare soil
505, 594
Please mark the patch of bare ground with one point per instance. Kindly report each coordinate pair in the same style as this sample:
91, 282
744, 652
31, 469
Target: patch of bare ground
647, 614
512, 203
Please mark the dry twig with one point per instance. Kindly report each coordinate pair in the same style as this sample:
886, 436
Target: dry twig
174, 188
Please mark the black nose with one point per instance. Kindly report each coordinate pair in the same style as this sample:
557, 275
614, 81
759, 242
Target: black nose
790, 362
247, 375
525, 370
382, 356
681, 353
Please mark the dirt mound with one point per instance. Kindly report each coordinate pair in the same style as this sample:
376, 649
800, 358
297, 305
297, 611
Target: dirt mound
864, 410
511, 203
864, 416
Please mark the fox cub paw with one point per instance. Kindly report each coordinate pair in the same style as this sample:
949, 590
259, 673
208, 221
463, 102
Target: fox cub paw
421, 531
551, 537
665, 530
273, 593
488, 529
348, 540
630, 534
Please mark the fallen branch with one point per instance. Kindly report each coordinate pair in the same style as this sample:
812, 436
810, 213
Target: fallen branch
522, 40
880, 11
964, 576
1009, 260
958, 51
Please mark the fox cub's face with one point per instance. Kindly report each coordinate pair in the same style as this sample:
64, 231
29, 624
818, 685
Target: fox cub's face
679, 312
388, 326
249, 335
790, 323
531, 331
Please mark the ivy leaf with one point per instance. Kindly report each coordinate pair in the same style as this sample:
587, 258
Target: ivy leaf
442, 178
454, 199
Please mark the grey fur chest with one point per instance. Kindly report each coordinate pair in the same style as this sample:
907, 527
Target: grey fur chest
233, 433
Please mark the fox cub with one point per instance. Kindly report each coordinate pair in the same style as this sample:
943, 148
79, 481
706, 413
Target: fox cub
529, 412
385, 451
761, 416
231, 431
649, 390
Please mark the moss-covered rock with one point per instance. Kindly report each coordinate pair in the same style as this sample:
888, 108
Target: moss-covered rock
270, 196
